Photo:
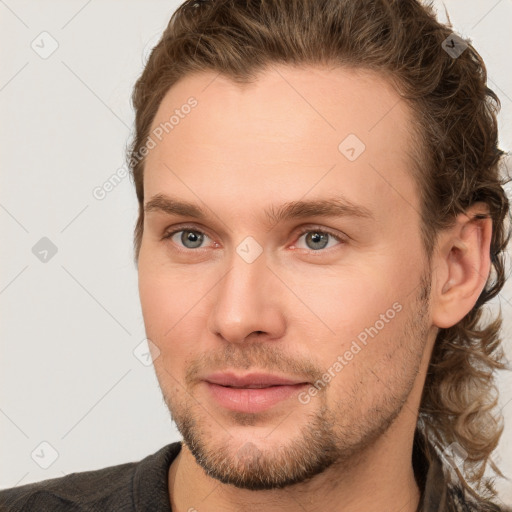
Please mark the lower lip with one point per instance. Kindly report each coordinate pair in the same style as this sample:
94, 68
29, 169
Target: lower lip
252, 400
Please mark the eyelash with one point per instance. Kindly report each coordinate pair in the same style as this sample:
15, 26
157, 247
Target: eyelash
302, 231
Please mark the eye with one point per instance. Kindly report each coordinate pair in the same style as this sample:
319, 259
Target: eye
317, 239
190, 237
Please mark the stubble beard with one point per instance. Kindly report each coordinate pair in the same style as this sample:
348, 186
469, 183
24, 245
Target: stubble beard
326, 439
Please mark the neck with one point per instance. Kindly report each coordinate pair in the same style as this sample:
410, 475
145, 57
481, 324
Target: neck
371, 481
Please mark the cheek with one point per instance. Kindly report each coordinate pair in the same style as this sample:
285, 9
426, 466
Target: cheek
354, 318
166, 293
347, 303
368, 358
171, 315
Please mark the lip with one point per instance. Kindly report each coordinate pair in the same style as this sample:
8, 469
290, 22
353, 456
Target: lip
252, 400
271, 390
251, 379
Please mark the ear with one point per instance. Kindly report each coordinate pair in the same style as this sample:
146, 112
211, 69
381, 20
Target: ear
461, 266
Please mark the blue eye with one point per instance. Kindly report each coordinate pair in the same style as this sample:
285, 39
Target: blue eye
188, 236
318, 238
192, 238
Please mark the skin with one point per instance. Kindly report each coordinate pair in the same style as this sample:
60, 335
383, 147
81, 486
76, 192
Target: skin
297, 307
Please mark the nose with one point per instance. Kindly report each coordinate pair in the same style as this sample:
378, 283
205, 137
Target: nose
248, 300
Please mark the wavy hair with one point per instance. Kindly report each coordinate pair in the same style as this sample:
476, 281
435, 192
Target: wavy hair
455, 155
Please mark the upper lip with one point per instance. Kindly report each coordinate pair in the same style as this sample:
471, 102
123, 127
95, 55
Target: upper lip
251, 379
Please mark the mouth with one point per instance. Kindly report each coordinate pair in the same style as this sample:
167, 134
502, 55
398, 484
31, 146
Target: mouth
252, 386
251, 381
256, 397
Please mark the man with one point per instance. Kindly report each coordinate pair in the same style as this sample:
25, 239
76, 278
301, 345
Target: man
320, 219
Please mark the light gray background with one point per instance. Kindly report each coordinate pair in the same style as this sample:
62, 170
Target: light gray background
68, 373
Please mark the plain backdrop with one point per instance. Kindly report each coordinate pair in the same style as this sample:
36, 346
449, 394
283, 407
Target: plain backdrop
76, 391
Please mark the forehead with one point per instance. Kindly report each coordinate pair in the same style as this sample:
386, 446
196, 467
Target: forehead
293, 131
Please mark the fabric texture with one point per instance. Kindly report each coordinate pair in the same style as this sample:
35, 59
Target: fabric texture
134, 486
143, 487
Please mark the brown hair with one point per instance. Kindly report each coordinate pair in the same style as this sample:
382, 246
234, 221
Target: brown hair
456, 155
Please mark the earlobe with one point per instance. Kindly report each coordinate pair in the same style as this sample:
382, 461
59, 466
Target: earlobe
462, 266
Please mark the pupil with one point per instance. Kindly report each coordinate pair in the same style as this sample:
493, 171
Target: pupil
317, 237
191, 237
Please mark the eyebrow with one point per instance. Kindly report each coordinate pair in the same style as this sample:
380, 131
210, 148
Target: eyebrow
329, 207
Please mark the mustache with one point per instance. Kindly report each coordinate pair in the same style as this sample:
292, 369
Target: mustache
261, 357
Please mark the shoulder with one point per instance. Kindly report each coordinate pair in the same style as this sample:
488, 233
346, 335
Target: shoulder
69, 492
111, 488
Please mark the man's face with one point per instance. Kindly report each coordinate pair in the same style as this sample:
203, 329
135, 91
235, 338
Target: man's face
240, 292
